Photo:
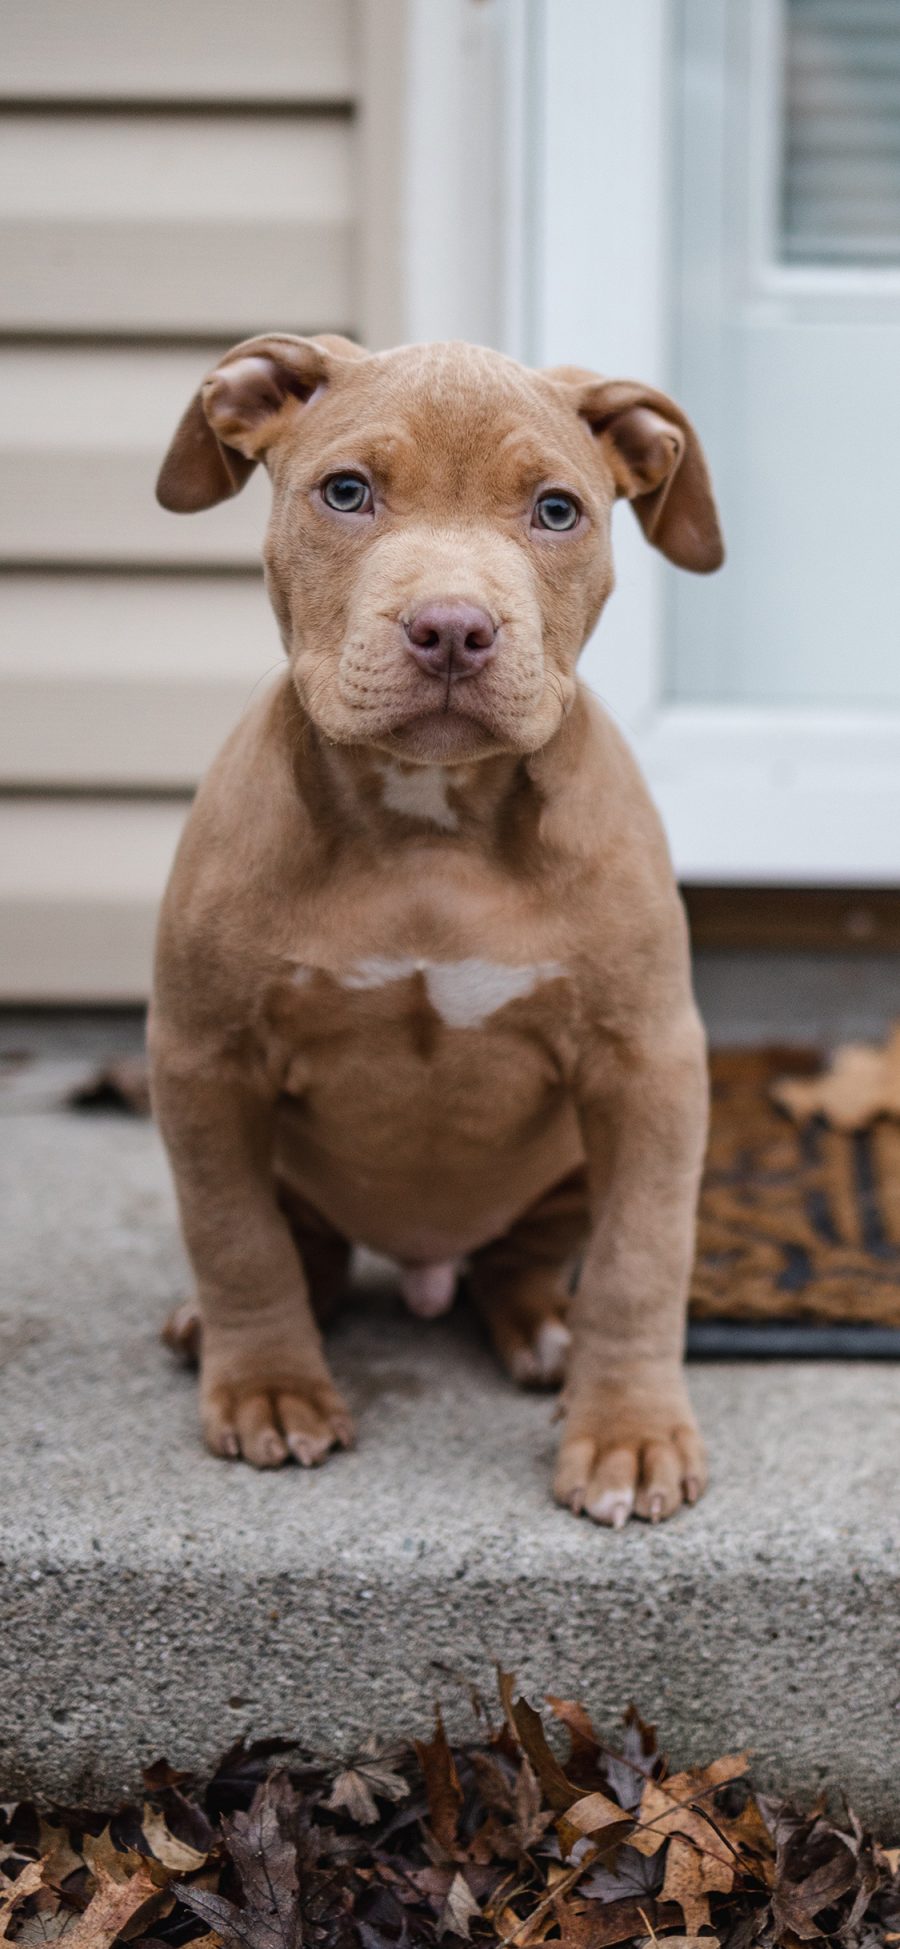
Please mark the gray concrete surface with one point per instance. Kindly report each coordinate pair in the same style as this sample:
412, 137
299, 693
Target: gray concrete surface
155, 1600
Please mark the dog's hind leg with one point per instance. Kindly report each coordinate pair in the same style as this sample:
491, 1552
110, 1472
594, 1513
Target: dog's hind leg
520, 1284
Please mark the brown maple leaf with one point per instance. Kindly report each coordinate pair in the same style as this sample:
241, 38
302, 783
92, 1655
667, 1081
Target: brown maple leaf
14, 1892
357, 1789
265, 1857
690, 1879
459, 1910
445, 1795
677, 1806
110, 1909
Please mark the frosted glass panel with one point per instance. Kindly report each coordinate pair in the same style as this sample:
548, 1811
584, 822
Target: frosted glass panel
840, 199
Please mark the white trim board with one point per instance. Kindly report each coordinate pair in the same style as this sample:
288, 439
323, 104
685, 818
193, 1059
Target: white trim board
776, 797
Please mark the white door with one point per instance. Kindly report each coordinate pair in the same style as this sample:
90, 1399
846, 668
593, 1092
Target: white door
720, 214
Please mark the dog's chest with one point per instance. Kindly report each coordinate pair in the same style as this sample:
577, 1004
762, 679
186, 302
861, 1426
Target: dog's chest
465, 992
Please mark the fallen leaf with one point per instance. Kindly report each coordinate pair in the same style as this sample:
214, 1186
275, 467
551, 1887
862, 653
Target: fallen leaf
355, 1789
110, 1909
674, 1942
166, 1847
594, 1814
690, 1879
14, 1892
584, 1745
266, 1861
862, 1083
667, 1807
445, 1796
816, 1864
123, 1085
626, 1772
459, 1910
595, 1925
525, 1725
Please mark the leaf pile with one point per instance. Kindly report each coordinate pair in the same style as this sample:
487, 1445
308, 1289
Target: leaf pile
500, 1842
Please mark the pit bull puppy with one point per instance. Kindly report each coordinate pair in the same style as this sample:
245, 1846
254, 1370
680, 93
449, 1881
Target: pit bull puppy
422, 978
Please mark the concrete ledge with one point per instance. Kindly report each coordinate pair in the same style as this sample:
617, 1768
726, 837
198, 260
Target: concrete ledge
154, 1600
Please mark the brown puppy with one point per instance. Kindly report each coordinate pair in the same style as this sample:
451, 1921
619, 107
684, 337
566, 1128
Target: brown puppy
422, 977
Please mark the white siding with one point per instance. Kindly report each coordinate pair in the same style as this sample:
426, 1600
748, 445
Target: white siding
174, 175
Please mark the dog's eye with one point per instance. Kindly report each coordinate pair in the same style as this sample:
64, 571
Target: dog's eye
556, 512
348, 493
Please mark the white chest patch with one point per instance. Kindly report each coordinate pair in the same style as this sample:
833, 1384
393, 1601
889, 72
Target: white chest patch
463, 993
420, 792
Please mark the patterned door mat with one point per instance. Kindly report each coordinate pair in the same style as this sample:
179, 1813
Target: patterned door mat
799, 1231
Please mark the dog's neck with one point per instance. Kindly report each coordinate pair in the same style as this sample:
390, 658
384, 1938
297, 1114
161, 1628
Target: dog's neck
359, 789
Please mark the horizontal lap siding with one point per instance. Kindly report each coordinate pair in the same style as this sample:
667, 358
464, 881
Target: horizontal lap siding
173, 176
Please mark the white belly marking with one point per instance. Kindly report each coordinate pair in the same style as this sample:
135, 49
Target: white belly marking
462, 993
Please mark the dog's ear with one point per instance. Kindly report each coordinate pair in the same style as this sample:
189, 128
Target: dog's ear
237, 413
657, 463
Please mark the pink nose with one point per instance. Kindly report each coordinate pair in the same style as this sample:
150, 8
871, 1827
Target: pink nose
451, 639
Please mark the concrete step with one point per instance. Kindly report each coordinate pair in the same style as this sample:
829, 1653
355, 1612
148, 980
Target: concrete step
155, 1600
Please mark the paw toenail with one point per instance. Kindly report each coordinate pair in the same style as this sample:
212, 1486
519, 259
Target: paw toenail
612, 1508
229, 1444
307, 1449
691, 1488
551, 1348
656, 1509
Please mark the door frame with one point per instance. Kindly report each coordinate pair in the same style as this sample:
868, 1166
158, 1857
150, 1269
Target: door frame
747, 794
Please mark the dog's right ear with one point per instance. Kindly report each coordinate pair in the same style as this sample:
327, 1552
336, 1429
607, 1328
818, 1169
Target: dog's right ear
236, 414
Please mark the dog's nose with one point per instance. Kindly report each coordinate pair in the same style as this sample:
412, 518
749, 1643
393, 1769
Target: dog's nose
451, 639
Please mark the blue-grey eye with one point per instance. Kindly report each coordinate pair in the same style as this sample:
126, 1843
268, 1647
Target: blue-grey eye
555, 511
347, 493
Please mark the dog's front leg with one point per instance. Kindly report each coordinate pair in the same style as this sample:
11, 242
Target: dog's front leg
265, 1388
630, 1442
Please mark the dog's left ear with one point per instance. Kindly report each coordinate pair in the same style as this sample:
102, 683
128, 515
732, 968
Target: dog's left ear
657, 463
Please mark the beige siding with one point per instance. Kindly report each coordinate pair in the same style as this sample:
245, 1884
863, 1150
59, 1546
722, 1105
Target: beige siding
179, 224
178, 50
174, 175
79, 885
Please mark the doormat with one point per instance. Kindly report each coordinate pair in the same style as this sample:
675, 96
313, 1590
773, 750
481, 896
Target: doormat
798, 1246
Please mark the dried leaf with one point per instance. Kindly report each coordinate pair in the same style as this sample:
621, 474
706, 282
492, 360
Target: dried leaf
863, 1083
626, 1772
690, 1879
816, 1864
445, 1796
525, 1725
667, 1807
110, 1909
166, 1847
634, 1875
595, 1925
354, 1790
677, 1942
594, 1814
459, 1910
266, 1861
14, 1892
584, 1745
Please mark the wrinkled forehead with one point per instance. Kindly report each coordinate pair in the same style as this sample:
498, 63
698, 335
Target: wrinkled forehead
455, 421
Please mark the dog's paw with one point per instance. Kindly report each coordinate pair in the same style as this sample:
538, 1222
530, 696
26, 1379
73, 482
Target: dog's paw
535, 1354
649, 1474
301, 1419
